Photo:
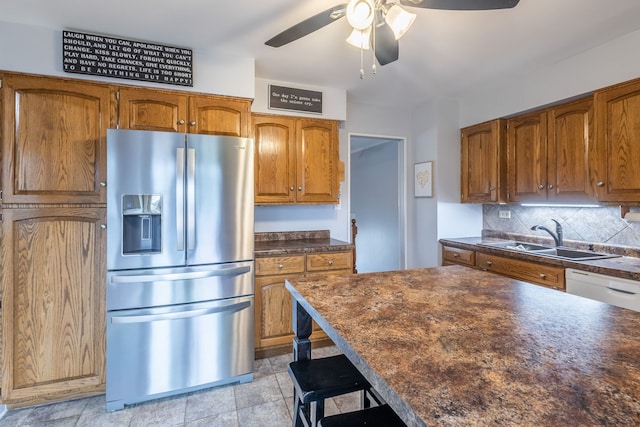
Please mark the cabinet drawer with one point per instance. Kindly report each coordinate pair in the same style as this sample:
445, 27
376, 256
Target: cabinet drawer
552, 277
329, 261
458, 256
280, 265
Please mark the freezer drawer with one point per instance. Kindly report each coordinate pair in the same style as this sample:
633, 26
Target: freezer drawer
130, 289
157, 352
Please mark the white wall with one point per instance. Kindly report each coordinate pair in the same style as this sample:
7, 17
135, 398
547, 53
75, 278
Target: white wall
610, 63
436, 136
38, 50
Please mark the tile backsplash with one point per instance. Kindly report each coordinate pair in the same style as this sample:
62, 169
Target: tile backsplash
602, 225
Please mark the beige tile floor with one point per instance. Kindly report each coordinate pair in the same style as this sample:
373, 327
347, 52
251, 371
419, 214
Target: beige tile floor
267, 401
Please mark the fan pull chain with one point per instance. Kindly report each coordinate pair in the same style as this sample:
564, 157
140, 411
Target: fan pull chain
361, 63
373, 48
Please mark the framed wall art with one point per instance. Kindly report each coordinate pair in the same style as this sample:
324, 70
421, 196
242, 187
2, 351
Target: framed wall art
423, 179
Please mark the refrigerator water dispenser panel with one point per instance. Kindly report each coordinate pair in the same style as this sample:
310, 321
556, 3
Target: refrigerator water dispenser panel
141, 224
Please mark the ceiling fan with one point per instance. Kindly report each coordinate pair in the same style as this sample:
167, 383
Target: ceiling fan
378, 24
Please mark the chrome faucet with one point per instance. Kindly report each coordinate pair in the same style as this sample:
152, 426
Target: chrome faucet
557, 236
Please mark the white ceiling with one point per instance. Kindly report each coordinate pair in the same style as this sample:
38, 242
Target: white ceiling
444, 54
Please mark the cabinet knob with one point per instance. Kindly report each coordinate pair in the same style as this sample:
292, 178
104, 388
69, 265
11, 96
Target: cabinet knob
103, 184
280, 266
299, 188
291, 188
540, 187
456, 255
492, 188
180, 122
192, 123
600, 184
550, 186
543, 276
103, 226
489, 263
330, 262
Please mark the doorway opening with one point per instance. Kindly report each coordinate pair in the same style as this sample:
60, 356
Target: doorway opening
377, 201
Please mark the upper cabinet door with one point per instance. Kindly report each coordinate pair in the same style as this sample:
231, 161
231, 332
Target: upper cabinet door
275, 159
151, 109
617, 144
317, 159
527, 155
219, 116
483, 165
569, 133
54, 140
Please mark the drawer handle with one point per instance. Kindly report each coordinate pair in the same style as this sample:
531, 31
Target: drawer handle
330, 262
543, 276
456, 255
280, 266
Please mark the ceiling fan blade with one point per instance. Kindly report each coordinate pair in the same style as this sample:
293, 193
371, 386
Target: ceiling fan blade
308, 26
386, 45
461, 4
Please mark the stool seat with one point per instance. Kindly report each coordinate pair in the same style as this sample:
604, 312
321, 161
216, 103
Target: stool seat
326, 377
377, 416
315, 380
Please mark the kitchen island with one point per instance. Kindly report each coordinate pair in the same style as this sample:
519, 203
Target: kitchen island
453, 346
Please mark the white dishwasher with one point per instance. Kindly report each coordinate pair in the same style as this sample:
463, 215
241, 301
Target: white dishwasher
616, 291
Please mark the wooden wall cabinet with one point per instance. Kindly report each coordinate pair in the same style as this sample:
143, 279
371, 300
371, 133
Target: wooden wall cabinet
170, 111
273, 333
483, 159
53, 140
296, 160
617, 144
548, 154
53, 304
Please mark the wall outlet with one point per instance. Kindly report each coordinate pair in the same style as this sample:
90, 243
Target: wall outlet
504, 214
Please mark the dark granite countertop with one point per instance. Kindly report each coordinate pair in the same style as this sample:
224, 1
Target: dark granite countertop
627, 267
297, 242
455, 346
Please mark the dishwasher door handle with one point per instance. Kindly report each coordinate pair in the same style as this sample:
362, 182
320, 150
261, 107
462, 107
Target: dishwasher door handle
142, 278
622, 291
146, 318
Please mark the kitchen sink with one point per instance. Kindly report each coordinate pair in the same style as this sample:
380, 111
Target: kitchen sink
550, 251
518, 246
574, 254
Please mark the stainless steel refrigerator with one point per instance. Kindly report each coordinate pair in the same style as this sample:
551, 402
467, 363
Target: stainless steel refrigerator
180, 292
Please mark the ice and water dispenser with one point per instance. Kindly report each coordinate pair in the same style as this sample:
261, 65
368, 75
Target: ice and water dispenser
142, 224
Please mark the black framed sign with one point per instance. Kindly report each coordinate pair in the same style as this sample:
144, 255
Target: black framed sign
289, 98
106, 56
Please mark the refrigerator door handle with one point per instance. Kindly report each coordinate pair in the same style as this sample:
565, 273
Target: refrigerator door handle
146, 318
142, 278
191, 199
180, 198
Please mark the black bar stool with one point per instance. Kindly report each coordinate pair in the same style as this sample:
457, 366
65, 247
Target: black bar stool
377, 416
315, 380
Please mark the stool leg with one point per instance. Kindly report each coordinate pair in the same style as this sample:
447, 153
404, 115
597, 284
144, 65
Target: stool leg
318, 414
297, 408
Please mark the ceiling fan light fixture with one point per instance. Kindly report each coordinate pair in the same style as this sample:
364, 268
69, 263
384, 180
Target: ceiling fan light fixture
360, 13
399, 20
360, 38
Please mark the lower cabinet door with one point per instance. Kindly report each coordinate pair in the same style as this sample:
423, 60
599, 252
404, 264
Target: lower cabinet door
53, 304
